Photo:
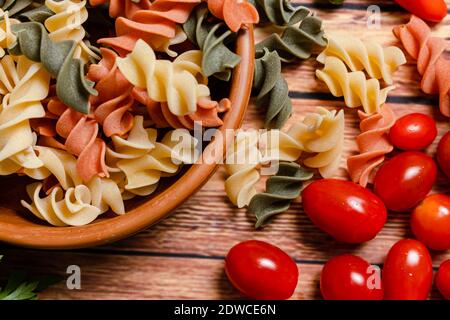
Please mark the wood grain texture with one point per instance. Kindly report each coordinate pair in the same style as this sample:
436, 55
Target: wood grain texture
182, 257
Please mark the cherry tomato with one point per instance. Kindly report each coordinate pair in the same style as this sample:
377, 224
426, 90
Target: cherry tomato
443, 154
261, 271
407, 272
413, 132
405, 180
343, 209
348, 277
442, 279
430, 10
430, 222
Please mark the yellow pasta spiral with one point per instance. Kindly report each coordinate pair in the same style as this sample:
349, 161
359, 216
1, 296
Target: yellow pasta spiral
242, 164
179, 83
70, 202
353, 86
24, 84
67, 24
378, 62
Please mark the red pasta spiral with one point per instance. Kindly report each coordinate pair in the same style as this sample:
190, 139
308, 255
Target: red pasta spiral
373, 144
431, 64
155, 24
113, 103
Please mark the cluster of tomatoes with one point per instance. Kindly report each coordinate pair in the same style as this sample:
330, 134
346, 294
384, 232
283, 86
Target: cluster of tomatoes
353, 214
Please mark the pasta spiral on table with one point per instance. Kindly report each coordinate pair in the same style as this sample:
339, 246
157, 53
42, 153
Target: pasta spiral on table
67, 24
291, 43
242, 163
281, 189
378, 62
271, 89
157, 26
71, 85
211, 37
322, 133
373, 144
111, 107
295, 42
69, 202
431, 63
23, 85
353, 86
179, 83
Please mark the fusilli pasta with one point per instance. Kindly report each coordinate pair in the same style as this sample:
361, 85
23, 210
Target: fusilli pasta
431, 63
353, 86
67, 24
281, 189
57, 57
373, 144
378, 62
23, 85
157, 26
242, 163
179, 83
211, 37
322, 133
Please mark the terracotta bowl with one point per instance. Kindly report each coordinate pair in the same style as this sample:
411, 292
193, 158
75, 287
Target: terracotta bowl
19, 227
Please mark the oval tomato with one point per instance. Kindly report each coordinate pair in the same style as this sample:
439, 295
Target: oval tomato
405, 180
343, 209
443, 154
442, 279
430, 10
348, 277
413, 132
408, 271
261, 271
430, 222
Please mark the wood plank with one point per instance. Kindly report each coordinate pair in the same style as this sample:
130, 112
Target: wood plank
126, 277
142, 277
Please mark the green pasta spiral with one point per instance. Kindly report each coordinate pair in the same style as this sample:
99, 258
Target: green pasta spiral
279, 12
14, 6
57, 57
38, 14
300, 33
281, 189
272, 89
296, 42
212, 36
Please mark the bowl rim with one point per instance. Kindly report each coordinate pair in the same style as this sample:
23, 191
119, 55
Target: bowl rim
159, 206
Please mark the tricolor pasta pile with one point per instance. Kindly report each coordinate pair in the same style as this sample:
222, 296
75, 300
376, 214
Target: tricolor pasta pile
97, 118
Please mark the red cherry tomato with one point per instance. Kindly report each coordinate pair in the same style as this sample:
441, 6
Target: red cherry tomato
443, 154
405, 180
413, 132
430, 222
348, 277
343, 209
430, 10
407, 272
261, 271
442, 279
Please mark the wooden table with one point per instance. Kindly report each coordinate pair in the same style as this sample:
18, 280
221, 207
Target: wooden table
183, 256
